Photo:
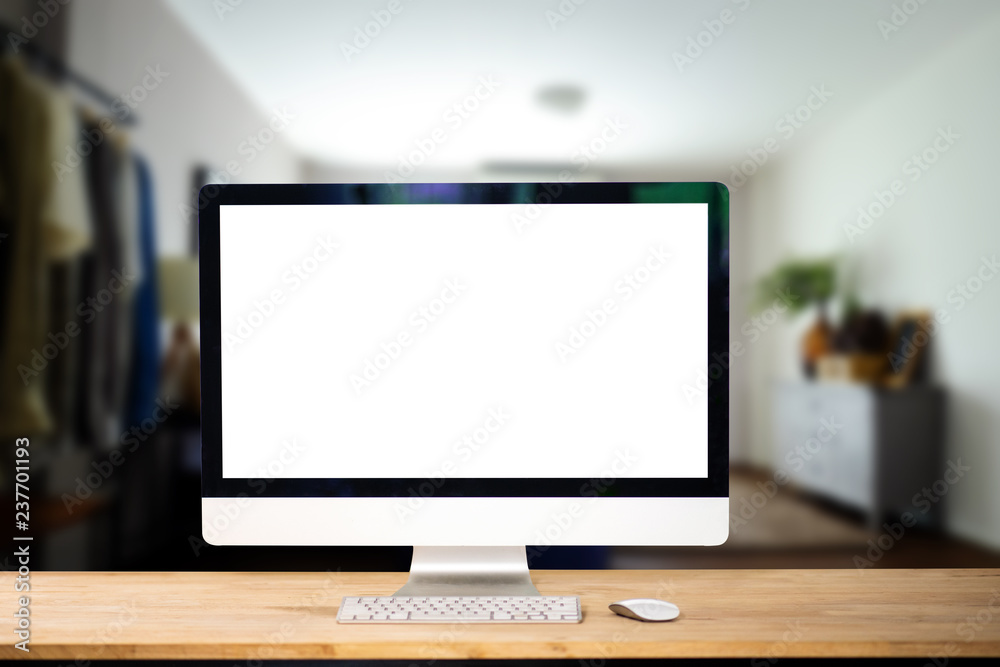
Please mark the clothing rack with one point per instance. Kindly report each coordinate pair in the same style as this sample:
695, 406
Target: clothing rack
61, 70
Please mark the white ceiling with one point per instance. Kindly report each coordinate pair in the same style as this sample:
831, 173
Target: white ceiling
369, 111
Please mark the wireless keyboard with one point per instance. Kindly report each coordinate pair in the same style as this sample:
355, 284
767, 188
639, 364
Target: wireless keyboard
475, 609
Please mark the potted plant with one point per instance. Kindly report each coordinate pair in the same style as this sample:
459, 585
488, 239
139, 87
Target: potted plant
808, 282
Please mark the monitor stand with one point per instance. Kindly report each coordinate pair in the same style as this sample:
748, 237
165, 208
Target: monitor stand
465, 571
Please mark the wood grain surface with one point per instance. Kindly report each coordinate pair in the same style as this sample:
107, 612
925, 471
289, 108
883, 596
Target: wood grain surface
724, 613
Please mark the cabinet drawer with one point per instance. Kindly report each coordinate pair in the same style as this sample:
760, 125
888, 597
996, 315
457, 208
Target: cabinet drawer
824, 438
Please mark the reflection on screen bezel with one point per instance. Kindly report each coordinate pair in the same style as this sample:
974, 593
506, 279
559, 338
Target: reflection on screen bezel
715, 195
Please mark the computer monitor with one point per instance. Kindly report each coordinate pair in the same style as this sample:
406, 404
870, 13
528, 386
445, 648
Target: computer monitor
465, 368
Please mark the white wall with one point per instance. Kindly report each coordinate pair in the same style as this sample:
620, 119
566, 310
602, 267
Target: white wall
195, 115
931, 238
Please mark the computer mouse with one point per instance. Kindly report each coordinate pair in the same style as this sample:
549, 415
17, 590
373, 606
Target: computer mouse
646, 609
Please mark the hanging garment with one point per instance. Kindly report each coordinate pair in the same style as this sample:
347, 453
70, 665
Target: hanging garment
69, 230
26, 181
68, 234
105, 283
145, 366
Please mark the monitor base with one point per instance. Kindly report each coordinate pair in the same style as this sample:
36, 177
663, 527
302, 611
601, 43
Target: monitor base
466, 571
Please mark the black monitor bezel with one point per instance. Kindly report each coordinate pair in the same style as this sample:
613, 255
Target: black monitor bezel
715, 195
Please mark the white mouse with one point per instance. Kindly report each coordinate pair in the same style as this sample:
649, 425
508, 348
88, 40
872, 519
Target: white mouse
646, 609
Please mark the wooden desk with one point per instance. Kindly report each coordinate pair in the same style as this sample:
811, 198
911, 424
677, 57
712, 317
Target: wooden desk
724, 613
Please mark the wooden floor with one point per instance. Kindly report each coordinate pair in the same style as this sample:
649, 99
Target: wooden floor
796, 530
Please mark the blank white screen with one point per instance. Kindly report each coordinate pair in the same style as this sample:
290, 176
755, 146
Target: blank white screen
298, 322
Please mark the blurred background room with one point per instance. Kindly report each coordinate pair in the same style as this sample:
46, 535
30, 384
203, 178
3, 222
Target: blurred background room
858, 139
